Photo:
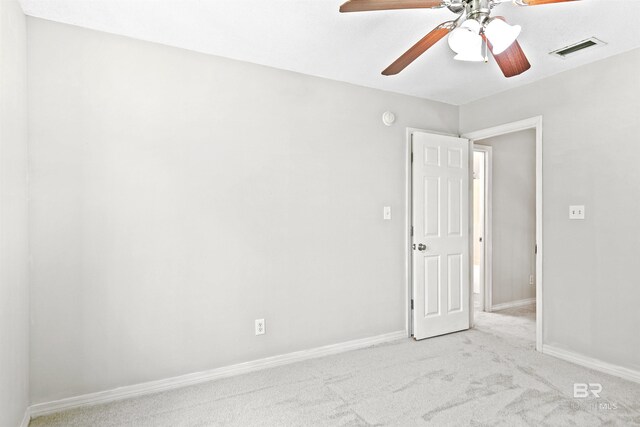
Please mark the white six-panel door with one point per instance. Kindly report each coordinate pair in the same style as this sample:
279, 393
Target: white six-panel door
440, 234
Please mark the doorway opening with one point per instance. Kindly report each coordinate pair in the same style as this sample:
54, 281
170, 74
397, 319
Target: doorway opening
517, 301
504, 232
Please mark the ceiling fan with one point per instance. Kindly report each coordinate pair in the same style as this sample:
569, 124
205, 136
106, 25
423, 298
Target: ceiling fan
474, 29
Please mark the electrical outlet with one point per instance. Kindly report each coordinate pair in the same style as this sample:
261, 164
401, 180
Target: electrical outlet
260, 327
531, 279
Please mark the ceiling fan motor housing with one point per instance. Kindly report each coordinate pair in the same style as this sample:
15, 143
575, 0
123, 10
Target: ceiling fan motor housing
480, 10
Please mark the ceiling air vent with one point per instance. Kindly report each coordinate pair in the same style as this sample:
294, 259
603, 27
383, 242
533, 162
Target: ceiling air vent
575, 48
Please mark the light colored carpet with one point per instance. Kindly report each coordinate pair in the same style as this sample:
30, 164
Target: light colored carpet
490, 375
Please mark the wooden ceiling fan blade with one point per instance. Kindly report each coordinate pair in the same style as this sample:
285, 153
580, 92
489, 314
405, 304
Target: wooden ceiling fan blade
367, 5
418, 49
512, 61
539, 2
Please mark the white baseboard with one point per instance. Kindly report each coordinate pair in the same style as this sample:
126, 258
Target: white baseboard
26, 419
589, 362
513, 304
201, 377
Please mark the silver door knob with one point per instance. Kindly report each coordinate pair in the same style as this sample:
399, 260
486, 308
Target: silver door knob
422, 247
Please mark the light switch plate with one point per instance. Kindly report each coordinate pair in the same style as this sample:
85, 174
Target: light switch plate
387, 212
576, 212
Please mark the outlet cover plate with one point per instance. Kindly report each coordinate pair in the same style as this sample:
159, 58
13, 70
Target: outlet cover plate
260, 327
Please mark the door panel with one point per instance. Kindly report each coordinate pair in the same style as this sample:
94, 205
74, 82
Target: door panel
441, 234
455, 282
432, 202
432, 278
454, 197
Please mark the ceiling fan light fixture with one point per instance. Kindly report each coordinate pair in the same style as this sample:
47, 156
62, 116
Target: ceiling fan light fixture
467, 42
501, 35
465, 37
472, 25
472, 53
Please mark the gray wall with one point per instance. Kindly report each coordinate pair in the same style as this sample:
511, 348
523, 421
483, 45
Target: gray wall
176, 197
14, 287
591, 157
513, 215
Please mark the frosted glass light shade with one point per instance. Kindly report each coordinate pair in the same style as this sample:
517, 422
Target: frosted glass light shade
472, 53
467, 42
464, 36
501, 35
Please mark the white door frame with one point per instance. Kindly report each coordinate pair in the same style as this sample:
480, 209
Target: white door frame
532, 123
487, 241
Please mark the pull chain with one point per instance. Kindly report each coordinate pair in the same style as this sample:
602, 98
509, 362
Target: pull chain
486, 53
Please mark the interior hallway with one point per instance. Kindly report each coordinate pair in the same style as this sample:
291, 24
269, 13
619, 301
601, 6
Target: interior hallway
489, 375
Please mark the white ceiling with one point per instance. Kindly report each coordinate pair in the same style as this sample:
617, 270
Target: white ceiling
311, 37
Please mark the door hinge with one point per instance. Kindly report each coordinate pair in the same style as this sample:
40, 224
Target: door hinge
536, 249
412, 157
411, 304
412, 230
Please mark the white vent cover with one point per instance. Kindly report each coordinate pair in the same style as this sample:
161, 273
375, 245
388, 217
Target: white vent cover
576, 48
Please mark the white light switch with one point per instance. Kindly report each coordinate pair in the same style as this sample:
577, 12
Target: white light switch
387, 212
576, 212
